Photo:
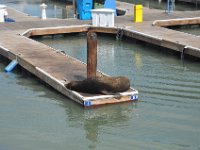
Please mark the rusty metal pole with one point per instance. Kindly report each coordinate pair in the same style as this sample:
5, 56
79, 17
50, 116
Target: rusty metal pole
91, 54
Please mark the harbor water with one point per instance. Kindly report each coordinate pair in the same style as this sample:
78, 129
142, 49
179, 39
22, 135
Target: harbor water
34, 116
166, 116
190, 29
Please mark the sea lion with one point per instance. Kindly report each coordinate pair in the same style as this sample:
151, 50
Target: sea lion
100, 85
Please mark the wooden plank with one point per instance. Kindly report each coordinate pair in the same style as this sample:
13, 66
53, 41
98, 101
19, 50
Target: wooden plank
142, 36
55, 30
176, 22
106, 101
109, 30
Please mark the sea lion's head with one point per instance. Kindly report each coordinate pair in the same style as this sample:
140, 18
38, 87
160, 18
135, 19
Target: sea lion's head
71, 85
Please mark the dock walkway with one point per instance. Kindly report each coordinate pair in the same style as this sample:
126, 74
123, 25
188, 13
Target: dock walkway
152, 29
56, 69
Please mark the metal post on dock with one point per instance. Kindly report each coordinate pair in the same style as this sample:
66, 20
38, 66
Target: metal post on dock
91, 54
43, 6
74, 8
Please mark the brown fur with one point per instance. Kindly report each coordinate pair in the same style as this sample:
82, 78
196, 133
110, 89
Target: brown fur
100, 85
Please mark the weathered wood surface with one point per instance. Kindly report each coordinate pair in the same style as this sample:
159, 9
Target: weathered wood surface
164, 37
53, 67
176, 22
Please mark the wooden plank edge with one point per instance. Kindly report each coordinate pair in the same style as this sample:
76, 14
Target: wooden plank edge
111, 100
111, 30
193, 51
133, 92
142, 36
68, 29
174, 45
175, 22
4, 51
55, 30
7, 53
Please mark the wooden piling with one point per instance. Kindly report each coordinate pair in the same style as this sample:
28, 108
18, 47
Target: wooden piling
91, 54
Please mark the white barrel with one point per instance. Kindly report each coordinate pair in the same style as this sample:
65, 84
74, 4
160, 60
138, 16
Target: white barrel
103, 17
3, 12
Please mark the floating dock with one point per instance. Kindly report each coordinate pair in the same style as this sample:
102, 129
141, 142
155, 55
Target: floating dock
57, 69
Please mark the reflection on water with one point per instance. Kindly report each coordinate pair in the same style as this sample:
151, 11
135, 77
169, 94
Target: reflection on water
94, 120
191, 29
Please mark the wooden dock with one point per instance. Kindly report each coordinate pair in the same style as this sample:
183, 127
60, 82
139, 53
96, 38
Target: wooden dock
56, 69
153, 30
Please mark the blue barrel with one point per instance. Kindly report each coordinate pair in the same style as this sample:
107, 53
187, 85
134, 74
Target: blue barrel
84, 9
110, 4
11, 66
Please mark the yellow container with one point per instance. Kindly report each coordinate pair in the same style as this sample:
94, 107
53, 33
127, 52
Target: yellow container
138, 13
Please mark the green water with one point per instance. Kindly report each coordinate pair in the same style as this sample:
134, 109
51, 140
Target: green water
190, 29
34, 116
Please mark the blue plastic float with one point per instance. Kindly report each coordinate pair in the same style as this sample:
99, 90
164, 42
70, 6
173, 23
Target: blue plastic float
11, 66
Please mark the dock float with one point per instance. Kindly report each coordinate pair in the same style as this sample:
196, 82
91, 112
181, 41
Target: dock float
55, 68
